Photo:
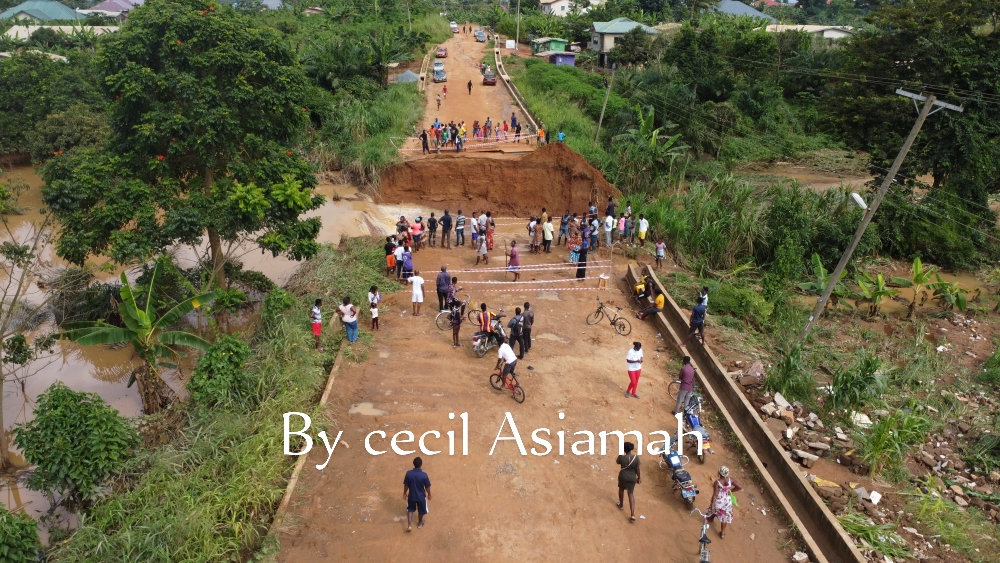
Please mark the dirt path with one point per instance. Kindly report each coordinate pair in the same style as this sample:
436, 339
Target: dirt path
462, 65
508, 506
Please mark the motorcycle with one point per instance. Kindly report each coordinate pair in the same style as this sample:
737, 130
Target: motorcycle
482, 342
670, 459
692, 423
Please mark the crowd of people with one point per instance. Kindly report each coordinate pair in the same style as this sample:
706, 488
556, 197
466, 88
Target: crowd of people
443, 135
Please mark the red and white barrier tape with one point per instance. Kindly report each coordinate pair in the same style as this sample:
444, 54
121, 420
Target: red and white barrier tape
512, 290
522, 281
467, 146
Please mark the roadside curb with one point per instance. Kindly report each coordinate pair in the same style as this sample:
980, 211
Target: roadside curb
279, 514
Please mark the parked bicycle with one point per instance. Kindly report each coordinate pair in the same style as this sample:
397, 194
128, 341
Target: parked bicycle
622, 326
499, 381
675, 386
443, 320
703, 541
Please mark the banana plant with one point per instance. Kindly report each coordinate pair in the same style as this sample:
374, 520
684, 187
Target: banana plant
948, 294
150, 336
873, 290
920, 279
816, 287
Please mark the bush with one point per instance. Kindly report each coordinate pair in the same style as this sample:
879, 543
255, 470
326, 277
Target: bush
991, 370
743, 303
275, 304
884, 445
76, 440
18, 537
860, 385
789, 376
220, 378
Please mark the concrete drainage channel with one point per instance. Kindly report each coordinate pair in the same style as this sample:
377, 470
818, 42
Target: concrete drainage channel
824, 537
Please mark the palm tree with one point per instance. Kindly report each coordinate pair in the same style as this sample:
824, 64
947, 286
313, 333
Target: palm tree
149, 335
385, 50
920, 278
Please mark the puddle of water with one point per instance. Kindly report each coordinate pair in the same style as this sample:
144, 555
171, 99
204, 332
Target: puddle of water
366, 409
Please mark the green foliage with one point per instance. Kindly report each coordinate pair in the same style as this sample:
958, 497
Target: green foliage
744, 303
645, 156
76, 126
881, 537
220, 378
631, 49
275, 304
991, 369
789, 375
885, 444
968, 532
873, 290
919, 281
948, 294
76, 441
860, 385
19, 541
322, 277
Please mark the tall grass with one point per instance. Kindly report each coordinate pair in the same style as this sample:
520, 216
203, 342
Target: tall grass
885, 444
210, 493
862, 384
967, 531
357, 135
881, 537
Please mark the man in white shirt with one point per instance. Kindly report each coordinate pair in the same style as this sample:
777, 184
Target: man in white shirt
418, 292
643, 227
481, 222
506, 355
704, 296
398, 254
609, 225
634, 360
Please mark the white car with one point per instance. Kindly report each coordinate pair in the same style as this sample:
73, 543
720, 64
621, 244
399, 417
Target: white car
454, 27
438, 65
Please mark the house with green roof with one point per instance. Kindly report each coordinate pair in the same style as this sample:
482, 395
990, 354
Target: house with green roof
41, 11
604, 34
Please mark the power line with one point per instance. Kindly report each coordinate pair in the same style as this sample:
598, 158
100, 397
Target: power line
942, 217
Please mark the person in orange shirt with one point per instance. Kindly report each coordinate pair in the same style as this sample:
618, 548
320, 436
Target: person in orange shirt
541, 136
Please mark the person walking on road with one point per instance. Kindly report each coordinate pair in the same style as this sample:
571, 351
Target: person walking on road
482, 251
442, 282
445, 223
444, 90
316, 316
722, 500
439, 101
425, 148
516, 326
418, 292
634, 360
349, 316
416, 491
456, 323
687, 384
470, 89
514, 264
529, 321
697, 322
460, 229
628, 477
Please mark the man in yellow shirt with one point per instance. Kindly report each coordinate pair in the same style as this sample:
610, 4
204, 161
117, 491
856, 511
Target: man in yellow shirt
658, 304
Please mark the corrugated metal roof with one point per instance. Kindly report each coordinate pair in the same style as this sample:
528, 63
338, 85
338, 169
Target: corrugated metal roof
734, 8
42, 10
621, 26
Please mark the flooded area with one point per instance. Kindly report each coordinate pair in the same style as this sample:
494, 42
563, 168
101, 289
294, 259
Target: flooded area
105, 371
812, 178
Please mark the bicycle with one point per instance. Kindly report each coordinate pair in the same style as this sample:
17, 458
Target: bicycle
499, 381
675, 386
703, 542
443, 320
621, 325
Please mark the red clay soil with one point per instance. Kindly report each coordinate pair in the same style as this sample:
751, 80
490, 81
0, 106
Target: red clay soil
554, 176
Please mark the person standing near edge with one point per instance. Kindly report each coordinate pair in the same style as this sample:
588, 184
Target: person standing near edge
628, 478
418, 292
316, 316
416, 491
564, 222
445, 223
349, 316
425, 148
516, 326
442, 282
697, 322
643, 229
529, 321
722, 500
460, 229
432, 229
611, 208
609, 226
547, 235
687, 384
634, 360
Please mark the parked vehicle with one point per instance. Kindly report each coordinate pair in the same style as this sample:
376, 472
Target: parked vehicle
480, 36
438, 65
482, 342
454, 27
489, 79
440, 76
670, 459
692, 423
441, 52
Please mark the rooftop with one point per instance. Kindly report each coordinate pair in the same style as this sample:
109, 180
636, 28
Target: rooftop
620, 26
734, 8
42, 10
23, 32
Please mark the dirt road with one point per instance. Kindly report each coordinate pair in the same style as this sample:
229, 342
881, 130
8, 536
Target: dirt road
461, 66
506, 506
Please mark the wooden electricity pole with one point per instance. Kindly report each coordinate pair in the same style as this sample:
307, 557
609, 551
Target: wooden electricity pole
603, 107
929, 102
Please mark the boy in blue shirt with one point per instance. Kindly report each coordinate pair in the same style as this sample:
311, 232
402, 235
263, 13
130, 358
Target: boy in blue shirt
697, 322
416, 491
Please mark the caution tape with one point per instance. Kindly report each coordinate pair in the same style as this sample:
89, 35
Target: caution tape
467, 146
521, 281
512, 290
539, 267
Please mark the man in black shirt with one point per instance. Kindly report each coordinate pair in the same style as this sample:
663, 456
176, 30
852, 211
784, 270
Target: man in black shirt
390, 246
432, 229
445, 223
423, 142
611, 207
529, 320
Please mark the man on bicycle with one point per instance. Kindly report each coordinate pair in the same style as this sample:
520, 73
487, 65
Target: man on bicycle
506, 357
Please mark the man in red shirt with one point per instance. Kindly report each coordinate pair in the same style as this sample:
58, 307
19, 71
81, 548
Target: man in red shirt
687, 384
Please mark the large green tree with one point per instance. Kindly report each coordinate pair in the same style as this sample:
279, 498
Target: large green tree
204, 109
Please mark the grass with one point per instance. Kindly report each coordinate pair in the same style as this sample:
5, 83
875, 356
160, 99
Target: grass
991, 370
968, 532
885, 444
209, 494
858, 386
880, 537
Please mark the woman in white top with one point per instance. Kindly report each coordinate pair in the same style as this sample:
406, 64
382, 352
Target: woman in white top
349, 315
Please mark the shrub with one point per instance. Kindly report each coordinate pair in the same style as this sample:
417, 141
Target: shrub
276, 303
220, 378
742, 303
884, 445
18, 537
789, 376
76, 440
991, 370
862, 384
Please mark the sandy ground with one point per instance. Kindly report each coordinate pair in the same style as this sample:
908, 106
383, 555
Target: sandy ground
507, 506
494, 102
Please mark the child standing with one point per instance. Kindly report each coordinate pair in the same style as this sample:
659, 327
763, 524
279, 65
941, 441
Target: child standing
374, 297
661, 253
456, 324
621, 227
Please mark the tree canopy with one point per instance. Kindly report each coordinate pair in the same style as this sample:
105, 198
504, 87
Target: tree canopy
204, 107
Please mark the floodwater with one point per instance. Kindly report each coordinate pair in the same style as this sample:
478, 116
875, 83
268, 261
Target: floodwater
366, 409
966, 281
105, 371
814, 179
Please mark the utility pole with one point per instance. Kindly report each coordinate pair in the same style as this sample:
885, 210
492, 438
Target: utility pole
517, 33
929, 101
603, 107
